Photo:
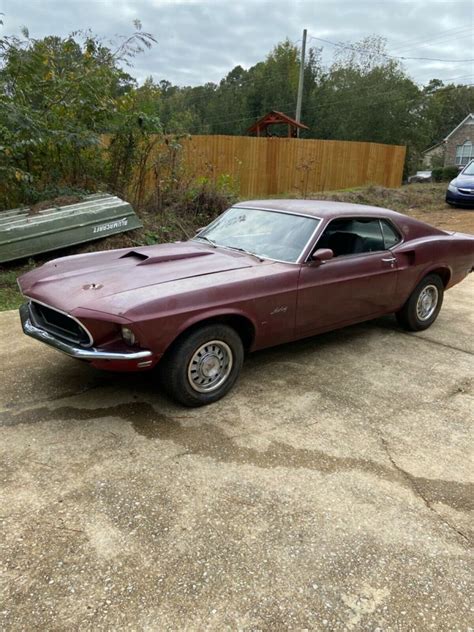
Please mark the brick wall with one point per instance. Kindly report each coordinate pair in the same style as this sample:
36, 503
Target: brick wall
431, 157
460, 136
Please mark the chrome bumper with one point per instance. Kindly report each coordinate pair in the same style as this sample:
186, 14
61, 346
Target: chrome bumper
76, 352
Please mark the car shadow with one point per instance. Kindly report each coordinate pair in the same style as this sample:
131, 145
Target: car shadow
66, 380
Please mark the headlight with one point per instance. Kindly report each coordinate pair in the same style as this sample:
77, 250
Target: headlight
128, 336
452, 188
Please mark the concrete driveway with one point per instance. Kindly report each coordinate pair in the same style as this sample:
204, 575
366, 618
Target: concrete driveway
331, 490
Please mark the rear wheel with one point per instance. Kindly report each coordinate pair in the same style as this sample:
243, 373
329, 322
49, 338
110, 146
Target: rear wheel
423, 305
203, 365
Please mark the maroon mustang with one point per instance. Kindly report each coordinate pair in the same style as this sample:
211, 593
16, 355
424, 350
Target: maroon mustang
263, 273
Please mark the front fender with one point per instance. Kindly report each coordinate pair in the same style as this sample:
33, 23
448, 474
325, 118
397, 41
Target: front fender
158, 333
213, 314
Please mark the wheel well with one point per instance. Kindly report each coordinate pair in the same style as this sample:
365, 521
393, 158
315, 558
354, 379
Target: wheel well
242, 325
444, 274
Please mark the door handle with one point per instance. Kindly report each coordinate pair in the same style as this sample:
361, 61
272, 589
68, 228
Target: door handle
389, 259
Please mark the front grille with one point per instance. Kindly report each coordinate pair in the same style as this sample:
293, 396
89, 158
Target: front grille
59, 324
467, 191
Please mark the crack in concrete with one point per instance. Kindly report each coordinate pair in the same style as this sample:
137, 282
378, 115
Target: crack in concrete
438, 343
411, 480
209, 440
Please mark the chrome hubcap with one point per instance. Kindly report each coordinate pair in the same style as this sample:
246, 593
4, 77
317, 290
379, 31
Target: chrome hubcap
210, 366
427, 302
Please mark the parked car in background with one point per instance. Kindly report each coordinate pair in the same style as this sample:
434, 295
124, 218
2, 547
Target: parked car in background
461, 189
263, 273
421, 176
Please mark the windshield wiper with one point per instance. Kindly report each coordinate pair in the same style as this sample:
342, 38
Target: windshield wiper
211, 241
214, 244
247, 252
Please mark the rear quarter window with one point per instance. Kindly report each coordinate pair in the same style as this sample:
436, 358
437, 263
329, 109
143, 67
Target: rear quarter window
391, 237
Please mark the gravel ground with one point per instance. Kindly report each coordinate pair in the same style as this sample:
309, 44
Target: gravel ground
332, 489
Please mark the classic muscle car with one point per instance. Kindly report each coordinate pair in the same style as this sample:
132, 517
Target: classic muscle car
263, 273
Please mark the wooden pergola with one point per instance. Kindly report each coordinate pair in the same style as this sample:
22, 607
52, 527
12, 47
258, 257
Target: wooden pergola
274, 117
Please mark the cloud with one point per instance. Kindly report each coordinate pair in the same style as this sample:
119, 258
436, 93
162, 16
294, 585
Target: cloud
201, 41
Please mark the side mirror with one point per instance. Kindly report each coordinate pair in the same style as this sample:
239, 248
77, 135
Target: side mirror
321, 255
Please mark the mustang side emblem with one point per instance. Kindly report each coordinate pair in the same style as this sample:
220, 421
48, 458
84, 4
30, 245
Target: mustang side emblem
279, 310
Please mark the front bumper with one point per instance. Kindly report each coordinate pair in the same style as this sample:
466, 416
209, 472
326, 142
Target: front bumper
91, 354
457, 197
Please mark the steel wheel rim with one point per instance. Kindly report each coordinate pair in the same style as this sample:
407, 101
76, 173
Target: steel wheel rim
210, 366
427, 302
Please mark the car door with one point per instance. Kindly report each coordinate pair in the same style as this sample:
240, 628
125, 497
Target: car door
357, 284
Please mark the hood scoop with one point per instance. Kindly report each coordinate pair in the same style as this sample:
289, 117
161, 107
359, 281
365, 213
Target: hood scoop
136, 255
145, 259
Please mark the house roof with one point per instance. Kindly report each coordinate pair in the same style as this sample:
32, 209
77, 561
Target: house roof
425, 151
275, 117
469, 116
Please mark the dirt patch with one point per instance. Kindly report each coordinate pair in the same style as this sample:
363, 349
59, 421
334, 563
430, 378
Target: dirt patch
460, 220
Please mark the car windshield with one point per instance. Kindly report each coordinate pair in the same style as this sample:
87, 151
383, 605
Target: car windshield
267, 234
469, 170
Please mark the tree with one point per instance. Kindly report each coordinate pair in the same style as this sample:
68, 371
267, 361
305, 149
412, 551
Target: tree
57, 95
445, 106
366, 96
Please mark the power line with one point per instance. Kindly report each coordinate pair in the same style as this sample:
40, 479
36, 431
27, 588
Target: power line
358, 50
443, 35
265, 80
431, 43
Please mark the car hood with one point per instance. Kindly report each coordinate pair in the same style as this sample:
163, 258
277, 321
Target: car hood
464, 182
88, 280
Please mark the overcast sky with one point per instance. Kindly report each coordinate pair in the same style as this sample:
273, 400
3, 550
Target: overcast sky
201, 41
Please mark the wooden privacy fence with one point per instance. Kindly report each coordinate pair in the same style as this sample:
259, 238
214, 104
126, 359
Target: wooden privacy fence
272, 166
279, 166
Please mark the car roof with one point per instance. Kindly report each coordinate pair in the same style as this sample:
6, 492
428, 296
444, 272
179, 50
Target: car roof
323, 209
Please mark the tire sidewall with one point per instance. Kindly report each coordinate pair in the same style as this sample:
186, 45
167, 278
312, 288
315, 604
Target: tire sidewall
415, 323
177, 379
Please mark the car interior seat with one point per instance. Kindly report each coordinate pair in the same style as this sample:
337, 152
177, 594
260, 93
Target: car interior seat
345, 243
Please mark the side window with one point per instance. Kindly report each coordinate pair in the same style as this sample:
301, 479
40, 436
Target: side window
371, 234
390, 235
352, 236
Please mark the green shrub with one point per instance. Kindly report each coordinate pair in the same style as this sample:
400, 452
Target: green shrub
443, 174
450, 172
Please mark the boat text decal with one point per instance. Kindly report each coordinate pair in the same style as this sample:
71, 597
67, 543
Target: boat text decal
111, 225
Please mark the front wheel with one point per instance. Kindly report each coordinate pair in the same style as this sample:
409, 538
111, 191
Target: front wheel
422, 307
203, 365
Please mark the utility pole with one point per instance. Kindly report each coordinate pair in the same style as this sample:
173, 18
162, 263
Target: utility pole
300, 83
